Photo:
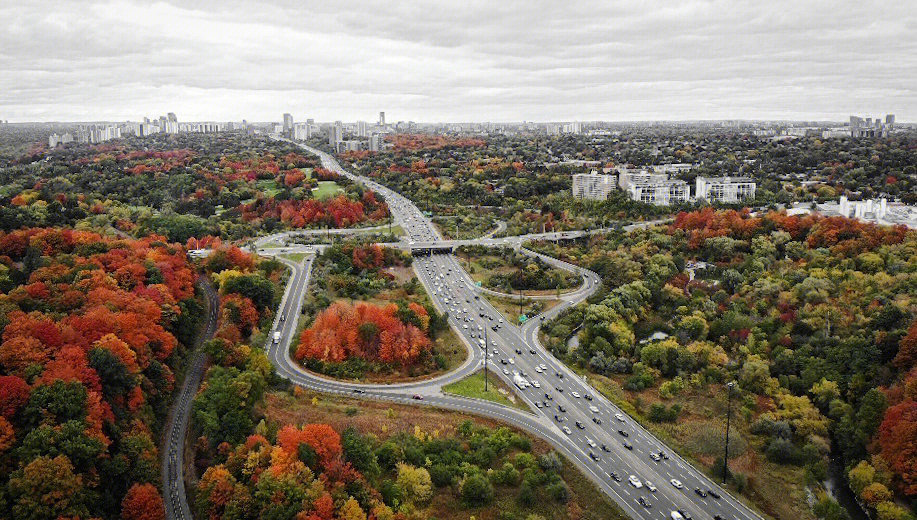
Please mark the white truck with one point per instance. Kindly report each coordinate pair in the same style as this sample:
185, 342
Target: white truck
520, 381
276, 337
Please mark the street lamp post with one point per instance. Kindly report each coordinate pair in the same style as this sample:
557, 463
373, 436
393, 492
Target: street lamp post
485, 360
729, 386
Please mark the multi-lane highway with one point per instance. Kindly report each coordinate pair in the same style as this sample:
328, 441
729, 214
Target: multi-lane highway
613, 450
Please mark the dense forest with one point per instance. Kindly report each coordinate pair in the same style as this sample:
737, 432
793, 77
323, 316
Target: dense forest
94, 329
813, 318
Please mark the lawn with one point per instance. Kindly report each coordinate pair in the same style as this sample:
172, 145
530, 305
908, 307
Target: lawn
326, 190
509, 307
269, 187
296, 257
497, 391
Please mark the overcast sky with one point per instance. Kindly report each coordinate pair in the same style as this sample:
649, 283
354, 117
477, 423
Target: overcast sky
493, 60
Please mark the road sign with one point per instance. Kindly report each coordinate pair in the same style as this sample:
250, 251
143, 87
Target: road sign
523, 318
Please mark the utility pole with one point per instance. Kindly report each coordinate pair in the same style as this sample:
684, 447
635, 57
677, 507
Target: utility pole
485, 360
729, 386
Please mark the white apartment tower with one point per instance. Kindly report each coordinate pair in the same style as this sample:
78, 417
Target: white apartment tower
592, 186
724, 189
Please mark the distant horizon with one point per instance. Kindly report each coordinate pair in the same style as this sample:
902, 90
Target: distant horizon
392, 122
700, 60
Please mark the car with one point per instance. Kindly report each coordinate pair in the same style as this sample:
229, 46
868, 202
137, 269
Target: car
676, 515
536, 384
676, 483
717, 517
664, 455
700, 492
614, 476
684, 514
417, 396
593, 409
546, 404
627, 445
642, 501
558, 418
537, 404
559, 389
634, 481
494, 328
495, 351
587, 397
649, 485
605, 448
596, 420
566, 430
539, 370
619, 417
531, 351
593, 456
359, 391
575, 394
590, 442
623, 433
713, 493
561, 408
519, 351
283, 317
558, 374
549, 397
502, 361
505, 372
512, 361
580, 425
655, 457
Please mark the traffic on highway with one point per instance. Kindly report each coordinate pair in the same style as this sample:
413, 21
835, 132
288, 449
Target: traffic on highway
627, 462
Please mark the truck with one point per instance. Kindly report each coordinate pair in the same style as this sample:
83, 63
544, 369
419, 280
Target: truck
520, 381
276, 337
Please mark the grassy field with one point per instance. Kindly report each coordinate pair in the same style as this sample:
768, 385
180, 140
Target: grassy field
326, 189
269, 187
509, 307
296, 257
383, 420
497, 391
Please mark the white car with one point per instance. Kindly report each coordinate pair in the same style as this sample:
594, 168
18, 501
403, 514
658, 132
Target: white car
650, 486
536, 384
593, 409
575, 394
590, 442
676, 483
677, 516
505, 372
539, 370
634, 481
619, 417
512, 361
566, 430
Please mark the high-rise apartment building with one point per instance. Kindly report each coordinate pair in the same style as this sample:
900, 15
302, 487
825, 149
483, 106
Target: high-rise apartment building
335, 135
381, 118
592, 186
375, 142
361, 128
288, 125
724, 189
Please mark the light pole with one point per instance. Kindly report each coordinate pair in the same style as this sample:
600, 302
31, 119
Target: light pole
485, 360
729, 386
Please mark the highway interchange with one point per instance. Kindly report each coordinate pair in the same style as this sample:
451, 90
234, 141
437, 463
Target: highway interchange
568, 413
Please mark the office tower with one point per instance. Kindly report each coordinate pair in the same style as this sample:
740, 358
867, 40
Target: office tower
381, 118
287, 125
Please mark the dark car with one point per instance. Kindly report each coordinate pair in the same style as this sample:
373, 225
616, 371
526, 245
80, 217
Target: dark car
593, 456
558, 374
642, 501
561, 408
587, 397
628, 445
559, 389
713, 493
623, 433
605, 448
519, 351
359, 391
596, 420
548, 397
531, 351
580, 425
546, 404
686, 515
615, 476
558, 418
700, 492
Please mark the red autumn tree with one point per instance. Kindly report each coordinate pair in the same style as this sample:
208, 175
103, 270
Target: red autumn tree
142, 502
898, 442
14, 393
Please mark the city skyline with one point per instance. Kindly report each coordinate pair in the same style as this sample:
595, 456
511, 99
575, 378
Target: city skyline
505, 63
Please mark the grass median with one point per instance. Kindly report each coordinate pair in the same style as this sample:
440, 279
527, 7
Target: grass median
497, 391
